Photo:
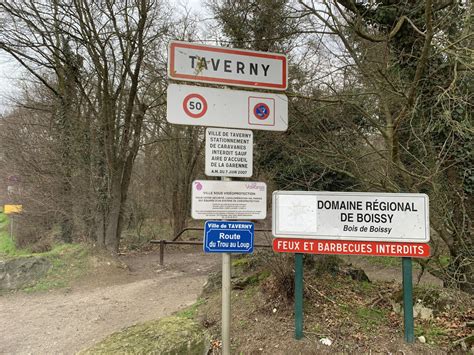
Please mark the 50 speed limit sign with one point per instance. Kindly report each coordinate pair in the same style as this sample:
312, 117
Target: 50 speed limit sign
212, 107
195, 105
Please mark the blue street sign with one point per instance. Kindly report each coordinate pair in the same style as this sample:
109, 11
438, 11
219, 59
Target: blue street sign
228, 237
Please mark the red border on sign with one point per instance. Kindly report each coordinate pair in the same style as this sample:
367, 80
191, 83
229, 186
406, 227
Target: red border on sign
349, 247
204, 104
174, 75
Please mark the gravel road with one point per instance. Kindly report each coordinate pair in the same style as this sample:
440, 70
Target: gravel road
67, 321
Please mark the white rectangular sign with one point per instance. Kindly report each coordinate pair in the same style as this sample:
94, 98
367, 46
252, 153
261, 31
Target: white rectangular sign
364, 216
227, 66
213, 199
229, 152
201, 106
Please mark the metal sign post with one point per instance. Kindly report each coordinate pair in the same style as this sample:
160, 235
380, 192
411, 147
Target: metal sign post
298, 296
408, 300
228, 153
226, 287
11, 227
226, 303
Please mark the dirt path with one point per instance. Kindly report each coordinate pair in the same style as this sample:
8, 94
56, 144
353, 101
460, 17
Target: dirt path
68, 321
378, 272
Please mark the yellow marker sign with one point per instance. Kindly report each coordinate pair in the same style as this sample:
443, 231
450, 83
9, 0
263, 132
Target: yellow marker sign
9, 209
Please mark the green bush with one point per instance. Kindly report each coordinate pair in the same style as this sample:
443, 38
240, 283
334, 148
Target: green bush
7, 245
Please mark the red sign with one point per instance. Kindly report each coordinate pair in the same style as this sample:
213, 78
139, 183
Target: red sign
346, 247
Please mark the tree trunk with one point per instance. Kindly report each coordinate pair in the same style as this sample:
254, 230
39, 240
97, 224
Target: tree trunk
112, 232
179, 211
67, 219
101, 229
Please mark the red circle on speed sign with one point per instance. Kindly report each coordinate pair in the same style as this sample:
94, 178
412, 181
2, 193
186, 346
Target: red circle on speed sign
195, 105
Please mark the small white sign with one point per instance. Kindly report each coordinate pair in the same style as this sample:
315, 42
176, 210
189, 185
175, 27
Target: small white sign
201, 106
213, 199
220, 65
229, 152
364, 216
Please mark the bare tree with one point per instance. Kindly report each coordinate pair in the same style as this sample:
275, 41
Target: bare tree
110, 42
399, 116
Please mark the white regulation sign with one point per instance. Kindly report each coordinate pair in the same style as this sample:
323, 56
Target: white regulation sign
229, 152
201, 106
219, 65
362, 216
214, 199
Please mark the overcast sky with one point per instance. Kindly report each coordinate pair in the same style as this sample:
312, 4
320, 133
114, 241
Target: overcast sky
11, 72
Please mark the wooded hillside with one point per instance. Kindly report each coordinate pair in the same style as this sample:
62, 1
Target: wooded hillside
381, 99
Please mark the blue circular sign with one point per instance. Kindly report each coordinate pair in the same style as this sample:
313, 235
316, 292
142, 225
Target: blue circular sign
261, 111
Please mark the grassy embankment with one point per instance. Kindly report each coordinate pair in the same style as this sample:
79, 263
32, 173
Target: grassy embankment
357, 316
68, 261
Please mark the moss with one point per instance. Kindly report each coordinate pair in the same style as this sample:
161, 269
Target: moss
172, 335
320, 264
191, 311
383, 261
3, 220
433, 333
444, 260
364, 286
250, 280
7, 246
241, 262
69, 262
370, 318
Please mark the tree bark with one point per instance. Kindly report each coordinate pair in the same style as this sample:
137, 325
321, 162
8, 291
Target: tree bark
112, 227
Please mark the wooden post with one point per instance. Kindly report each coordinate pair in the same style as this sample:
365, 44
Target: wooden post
162, 251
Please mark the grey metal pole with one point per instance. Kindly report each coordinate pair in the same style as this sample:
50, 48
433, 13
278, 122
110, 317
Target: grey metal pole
226, 298
11, 226
226, 303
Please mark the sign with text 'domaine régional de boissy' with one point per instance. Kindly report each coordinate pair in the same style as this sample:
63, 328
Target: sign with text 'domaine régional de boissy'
360, 216
227, 66
229, 152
